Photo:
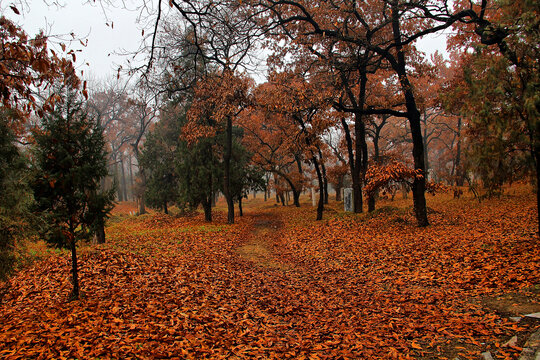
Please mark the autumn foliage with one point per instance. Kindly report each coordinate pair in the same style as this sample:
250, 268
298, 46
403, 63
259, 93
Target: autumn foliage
27, 64
278, 285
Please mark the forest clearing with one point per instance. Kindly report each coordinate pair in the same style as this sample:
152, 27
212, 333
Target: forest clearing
277, 284
270, 179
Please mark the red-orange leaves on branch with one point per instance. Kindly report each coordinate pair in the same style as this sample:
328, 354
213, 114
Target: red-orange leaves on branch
388, 176
216, 98
26, 64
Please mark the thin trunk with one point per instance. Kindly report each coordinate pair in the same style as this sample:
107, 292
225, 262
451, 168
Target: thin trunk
371, 203
266, 187
165, 209
338, 193
377, 152
325, 179
298, 163
360, 162
458, 172
227, 172
537, 165
296, 197
356, 186
207, 207
142, 207
296, 192
320, 203
240, 211
74, 269
119, 187
131, 181
425, 139
100, 232
365, 161
124, 185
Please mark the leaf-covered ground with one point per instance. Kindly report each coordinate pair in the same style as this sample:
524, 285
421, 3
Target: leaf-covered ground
279, 285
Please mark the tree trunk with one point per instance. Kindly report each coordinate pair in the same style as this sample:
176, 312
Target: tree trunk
207, 207
165, 209
537, 165
325, 179
371, 203
131, 181
240, 211
355, 175
119, 193
320, 203
424, 141
459, 172
281, 197
365, 157
100, 232
123, 172
74, 269
413, 115
338, 193
296, 197
142, 208
227, 172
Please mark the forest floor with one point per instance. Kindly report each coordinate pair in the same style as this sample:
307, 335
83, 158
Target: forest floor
279, 285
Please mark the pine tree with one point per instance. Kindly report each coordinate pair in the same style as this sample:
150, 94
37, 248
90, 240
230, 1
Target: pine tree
70, 161
15, 196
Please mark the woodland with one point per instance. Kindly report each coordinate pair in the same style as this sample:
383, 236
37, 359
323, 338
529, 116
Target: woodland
363, 200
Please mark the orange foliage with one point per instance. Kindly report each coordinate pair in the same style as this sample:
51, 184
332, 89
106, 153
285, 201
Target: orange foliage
27, 64
277, 285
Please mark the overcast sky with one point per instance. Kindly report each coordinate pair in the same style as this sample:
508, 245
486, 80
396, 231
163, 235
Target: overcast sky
87, 22
100, 58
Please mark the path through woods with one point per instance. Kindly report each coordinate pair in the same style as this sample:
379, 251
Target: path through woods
279, 285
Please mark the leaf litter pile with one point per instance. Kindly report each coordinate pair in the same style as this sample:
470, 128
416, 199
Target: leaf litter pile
279, 285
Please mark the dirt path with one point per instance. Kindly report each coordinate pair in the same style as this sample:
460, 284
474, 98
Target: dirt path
260, 246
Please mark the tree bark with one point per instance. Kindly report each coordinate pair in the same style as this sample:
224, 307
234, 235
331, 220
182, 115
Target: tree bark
459, 172
320, 203
537, 165
131, 182
240, 211
325, 179
100, 232
355, 176
371, 203
74, 269
227, 172
207, 207
123, 172
118, 182
413, 115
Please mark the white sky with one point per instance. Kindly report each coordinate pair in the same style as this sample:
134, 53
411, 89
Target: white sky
87, 20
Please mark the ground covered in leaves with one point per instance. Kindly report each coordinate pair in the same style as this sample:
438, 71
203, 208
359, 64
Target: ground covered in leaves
279, 285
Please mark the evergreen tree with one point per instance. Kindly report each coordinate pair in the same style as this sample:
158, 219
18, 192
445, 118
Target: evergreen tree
199, 174
15, 196
244, 176
70, 161
157, 158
